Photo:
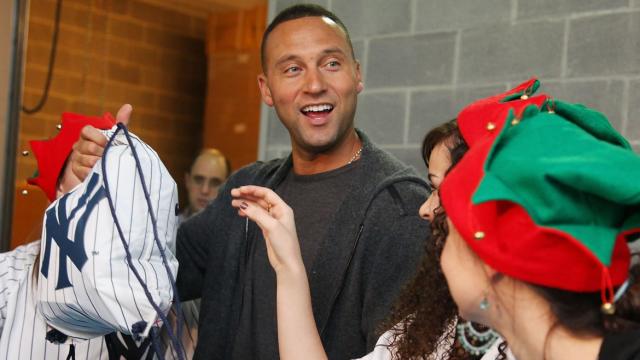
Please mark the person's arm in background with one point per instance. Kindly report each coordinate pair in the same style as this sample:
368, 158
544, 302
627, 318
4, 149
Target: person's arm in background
298, 336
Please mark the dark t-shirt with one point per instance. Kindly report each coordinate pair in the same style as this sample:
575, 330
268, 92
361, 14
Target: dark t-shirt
625, 346
315, 199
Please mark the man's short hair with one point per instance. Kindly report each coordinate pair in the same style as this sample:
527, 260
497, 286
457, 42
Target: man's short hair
296, 12
215, 153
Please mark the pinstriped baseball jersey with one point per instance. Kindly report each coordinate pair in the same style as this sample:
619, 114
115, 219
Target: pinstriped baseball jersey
92, 289
23, 329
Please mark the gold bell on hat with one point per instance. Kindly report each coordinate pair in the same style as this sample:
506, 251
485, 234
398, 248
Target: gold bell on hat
608, 308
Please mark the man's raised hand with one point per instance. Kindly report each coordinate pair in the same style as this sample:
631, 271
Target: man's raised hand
90, 146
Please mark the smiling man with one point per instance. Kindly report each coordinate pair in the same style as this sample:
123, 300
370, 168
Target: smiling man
356, 207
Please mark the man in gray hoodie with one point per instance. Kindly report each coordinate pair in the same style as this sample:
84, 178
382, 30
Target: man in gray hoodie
356, 207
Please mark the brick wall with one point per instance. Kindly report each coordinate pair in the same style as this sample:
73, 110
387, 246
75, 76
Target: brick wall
425, 59
116, 51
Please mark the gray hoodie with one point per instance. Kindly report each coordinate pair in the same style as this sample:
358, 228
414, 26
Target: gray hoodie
372, 248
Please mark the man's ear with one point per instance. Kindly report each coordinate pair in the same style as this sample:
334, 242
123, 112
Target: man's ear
187, 179
360, 84
264, 90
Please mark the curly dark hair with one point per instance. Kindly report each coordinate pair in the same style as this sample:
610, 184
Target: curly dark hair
424, 317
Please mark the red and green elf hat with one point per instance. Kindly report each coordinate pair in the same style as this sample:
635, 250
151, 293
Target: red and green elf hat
52, 154
548, 192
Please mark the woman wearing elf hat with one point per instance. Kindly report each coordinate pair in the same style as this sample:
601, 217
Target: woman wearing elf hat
433, 326
540, 214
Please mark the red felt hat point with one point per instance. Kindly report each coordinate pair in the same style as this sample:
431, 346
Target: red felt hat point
52, 154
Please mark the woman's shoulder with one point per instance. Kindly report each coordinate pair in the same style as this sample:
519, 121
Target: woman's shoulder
382, 350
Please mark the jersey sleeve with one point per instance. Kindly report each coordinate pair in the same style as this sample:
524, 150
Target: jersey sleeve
15, 267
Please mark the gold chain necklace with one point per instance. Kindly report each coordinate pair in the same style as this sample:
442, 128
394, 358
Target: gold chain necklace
355, 156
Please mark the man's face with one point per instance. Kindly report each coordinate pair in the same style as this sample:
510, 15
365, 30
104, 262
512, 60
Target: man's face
207, 174
312, 80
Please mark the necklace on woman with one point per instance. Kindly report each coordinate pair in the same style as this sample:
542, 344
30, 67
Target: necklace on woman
475, 338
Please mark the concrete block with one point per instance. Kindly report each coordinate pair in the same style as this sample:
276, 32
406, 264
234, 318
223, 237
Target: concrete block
509, 52
381, 116
460, 14
632, 132
531, 9
410, 156
358, 49
431, 108
602, 95
272, 153
277, 134
283, 4
411, 60
373, 17
604, 45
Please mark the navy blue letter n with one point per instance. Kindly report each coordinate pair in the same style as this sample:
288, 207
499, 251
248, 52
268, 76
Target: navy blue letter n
58, 231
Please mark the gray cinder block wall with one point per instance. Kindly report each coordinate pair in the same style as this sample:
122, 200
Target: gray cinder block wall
423, 60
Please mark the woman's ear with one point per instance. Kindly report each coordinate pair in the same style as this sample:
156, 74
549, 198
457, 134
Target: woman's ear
493, 274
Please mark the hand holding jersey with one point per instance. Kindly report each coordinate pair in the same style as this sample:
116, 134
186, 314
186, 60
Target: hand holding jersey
84, 295
90, 146
114, 226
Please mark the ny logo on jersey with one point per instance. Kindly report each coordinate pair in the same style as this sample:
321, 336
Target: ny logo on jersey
58, 231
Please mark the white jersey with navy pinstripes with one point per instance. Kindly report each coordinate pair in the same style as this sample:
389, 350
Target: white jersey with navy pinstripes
93, 290
23, 329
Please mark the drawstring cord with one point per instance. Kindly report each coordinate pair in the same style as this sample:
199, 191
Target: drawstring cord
172, 335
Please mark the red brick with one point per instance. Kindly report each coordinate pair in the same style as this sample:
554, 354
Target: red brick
157, 15
126, 73
37, 54
118, 6
87, 107
40, 32
142, 98
54, 104
147, 12
125, 29
154, 60
119, 50
144, 55
84, 18
73, 61
43, 9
